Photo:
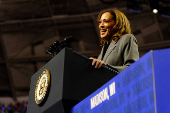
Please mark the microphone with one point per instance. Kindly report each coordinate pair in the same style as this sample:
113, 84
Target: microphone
57, 46
67, 41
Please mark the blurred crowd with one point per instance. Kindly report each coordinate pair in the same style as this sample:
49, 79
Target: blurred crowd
14, 108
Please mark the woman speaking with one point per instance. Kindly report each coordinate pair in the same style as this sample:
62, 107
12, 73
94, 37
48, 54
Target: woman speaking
120, 48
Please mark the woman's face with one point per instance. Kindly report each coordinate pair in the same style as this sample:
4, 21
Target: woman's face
106, 24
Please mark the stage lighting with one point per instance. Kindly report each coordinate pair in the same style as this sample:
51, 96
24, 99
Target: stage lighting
3, 108
154, 4
155, 11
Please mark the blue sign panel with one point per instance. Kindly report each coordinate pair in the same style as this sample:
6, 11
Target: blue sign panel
132, 91
161, 62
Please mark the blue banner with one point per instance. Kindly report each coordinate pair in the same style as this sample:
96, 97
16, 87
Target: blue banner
131, 91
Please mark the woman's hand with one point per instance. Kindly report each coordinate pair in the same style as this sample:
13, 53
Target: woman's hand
97, 63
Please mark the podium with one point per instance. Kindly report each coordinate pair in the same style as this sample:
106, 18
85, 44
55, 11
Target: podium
143, 87
72, 78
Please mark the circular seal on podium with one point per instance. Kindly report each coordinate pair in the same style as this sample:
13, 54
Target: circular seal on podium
42, 86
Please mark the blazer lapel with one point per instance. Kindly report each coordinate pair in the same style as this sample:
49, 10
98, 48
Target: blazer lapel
109, 50
101, 54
